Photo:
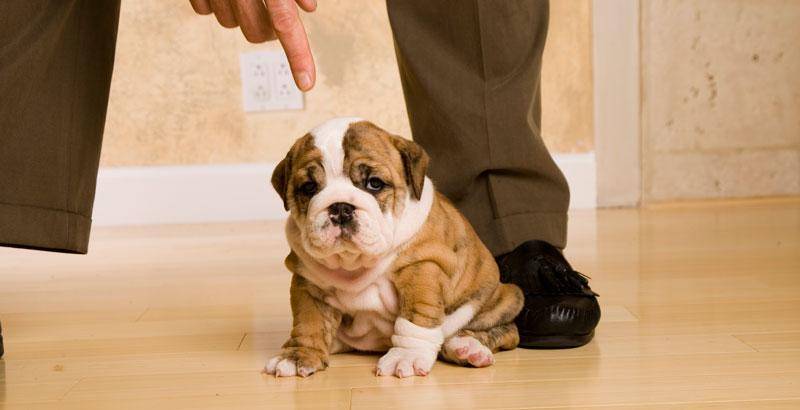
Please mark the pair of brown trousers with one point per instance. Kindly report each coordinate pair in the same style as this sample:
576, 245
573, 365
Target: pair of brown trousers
470, 72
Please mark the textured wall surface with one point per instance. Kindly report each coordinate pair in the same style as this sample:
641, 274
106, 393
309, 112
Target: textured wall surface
721, 94
176, 95
567, 119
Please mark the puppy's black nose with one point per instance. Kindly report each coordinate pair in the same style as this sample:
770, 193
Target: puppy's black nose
341, 213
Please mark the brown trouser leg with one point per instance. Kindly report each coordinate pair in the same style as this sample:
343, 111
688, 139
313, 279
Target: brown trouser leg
56, 58
470, 71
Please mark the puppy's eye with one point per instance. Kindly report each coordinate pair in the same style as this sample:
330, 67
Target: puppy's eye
375, 184
308, 188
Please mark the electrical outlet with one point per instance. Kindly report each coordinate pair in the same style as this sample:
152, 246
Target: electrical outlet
267, 83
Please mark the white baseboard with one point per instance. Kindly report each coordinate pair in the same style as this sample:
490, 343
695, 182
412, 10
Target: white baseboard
228, 193
581, 173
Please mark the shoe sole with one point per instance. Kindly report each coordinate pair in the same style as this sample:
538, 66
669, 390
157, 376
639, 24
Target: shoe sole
554, 341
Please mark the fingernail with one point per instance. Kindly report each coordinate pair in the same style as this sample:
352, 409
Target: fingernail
304, 80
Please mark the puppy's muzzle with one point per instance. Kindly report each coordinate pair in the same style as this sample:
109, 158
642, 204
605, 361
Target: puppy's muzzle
341, 213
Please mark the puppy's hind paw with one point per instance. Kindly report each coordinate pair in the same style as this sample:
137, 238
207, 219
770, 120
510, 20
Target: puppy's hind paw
466, 350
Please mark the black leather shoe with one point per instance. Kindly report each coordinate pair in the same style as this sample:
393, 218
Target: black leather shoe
561, 310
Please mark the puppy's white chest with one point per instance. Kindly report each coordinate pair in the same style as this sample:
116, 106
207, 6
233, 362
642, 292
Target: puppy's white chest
380, 297
370, 315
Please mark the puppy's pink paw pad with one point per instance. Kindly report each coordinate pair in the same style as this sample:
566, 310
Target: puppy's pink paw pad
470, 350
480, 359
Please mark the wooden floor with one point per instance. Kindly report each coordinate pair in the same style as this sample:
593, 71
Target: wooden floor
701, 308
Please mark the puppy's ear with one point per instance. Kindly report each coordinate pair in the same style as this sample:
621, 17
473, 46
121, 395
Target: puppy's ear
280, 179
415, 164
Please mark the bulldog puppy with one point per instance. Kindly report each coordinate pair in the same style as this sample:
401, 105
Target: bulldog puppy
381, 262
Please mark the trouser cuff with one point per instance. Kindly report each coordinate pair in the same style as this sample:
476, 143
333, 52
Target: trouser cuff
41, 228
503, 235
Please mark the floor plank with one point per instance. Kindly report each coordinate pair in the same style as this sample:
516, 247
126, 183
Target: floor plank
772, 342
610, 392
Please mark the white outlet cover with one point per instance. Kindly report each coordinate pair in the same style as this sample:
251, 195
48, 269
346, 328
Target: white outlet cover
267, 83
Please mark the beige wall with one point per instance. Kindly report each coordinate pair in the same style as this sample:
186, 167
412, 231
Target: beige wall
176, 95
721, 107
567, 124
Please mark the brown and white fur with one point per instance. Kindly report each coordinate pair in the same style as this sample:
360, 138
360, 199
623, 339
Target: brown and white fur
396, 270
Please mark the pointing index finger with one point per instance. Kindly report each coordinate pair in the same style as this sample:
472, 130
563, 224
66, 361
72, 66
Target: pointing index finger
289, 29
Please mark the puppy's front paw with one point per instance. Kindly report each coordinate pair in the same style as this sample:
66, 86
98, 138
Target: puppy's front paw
405, 362
295, 361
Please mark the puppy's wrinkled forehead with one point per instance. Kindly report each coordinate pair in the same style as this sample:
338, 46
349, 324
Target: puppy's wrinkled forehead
343, 138
328, 138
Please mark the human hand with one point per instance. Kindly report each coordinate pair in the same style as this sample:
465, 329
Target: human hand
265, 20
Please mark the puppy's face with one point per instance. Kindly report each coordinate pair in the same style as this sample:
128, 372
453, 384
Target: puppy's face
349, 187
